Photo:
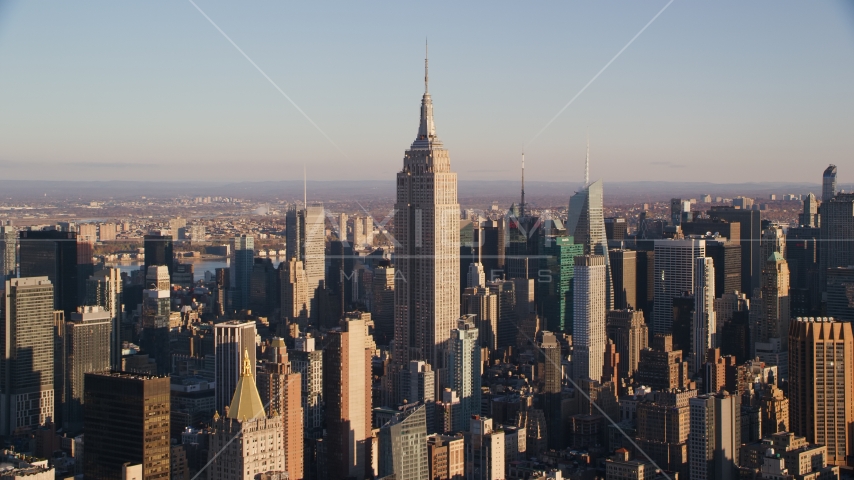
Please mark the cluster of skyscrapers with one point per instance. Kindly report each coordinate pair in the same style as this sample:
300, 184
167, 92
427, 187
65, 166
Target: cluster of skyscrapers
524, 345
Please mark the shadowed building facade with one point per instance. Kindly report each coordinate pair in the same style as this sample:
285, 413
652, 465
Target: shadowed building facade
126, 420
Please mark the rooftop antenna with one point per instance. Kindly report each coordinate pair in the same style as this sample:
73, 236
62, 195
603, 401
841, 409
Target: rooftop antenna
426, 66
522, 205
304, 188
587, 163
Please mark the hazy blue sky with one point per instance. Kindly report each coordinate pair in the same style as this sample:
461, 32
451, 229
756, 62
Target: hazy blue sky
724, 91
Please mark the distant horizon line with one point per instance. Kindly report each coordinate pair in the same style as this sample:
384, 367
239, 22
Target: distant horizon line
391, 180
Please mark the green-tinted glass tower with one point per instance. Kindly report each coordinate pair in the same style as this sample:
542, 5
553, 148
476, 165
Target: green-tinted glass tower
554, 281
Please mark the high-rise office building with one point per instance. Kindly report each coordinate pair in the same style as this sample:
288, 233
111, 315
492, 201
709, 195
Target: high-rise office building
555, 281
27, 363
426, 227
340, 276
306, 242
464, 370
663, 424
490, 246
508, 308
715, 436
840, 293
588, 332
821, 384
343, 218
265, 291
630, 334
419, 383
126, 418
624, 268
705, 324
836, 248
382, 303
295, 302
484, 450
483, 305
156, 308
308, 362
314, 249
616, 228
104, 289
773, 240
550, 376
476, 276
750, 231
774, 310
802, 256
732, 312
59, 366
8, 252
403, 445
247, 442
87, 350
158, 251
231, 339
294, 225
586, 223
280, 389
674, 275
726, 256
809, 218
828, 183
347, 397
242, 253
52, 254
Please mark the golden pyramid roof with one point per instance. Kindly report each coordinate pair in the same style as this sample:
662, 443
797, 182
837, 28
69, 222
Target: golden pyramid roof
246, 402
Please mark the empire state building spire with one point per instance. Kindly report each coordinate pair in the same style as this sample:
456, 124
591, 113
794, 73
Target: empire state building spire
426, 138
426, 232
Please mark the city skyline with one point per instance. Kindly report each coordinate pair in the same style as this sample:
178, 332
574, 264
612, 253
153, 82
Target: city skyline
662, 110
259, 327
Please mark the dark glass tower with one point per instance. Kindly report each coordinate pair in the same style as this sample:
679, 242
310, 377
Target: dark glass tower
52, 254
158, 251
750, 232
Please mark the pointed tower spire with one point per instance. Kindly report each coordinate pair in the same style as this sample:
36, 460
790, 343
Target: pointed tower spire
426, 66
522, 203
587, 163
426, 128
246, 403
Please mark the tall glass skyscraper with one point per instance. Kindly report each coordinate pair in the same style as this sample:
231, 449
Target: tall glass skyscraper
555, 281
586, 222
242, 253
52, 254
828, 183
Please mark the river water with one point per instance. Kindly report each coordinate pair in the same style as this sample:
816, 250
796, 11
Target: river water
200, 266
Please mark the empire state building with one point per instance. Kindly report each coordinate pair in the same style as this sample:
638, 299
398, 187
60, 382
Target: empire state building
427, 253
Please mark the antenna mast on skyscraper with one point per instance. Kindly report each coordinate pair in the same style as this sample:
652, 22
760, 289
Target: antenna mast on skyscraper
587, 163
304, 188
522, 204
426, 65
